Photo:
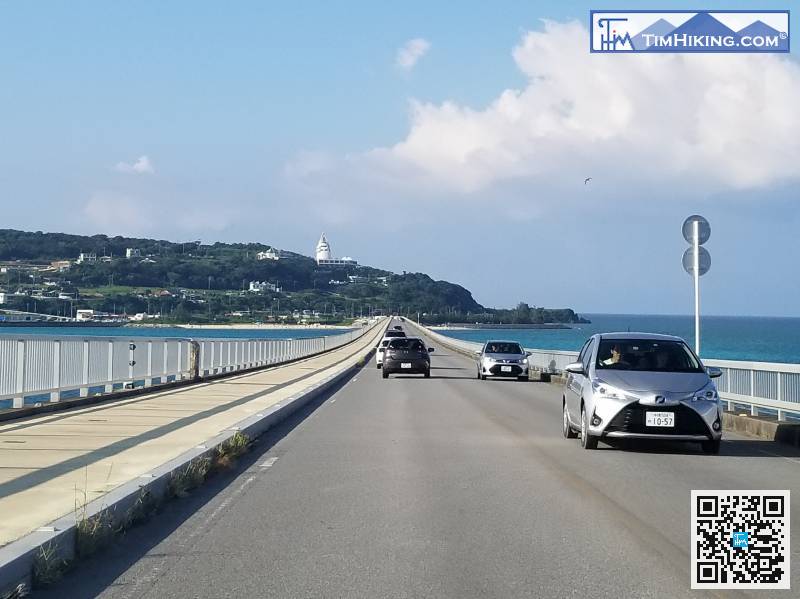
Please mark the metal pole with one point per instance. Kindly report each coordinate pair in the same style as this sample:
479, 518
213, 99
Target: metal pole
696, 259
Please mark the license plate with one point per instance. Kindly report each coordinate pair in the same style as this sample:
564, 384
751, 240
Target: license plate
505, 369
660, 419
405, 365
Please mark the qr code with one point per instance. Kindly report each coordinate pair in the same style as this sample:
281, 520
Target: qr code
740, 539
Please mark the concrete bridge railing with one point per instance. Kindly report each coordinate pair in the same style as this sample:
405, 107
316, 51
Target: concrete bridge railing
35, 370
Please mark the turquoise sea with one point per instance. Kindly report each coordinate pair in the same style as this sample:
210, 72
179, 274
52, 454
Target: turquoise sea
173, 332
761, 339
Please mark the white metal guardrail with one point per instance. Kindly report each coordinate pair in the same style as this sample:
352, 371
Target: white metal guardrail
758, 385
35, 370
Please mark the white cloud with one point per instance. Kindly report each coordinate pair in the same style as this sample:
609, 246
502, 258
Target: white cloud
409, 53
638, 124
142, 166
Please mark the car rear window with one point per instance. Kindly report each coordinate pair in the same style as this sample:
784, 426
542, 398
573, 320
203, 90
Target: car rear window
410, 344
502, 347
394, 334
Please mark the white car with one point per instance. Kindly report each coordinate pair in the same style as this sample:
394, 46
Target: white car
381, 351
381, 348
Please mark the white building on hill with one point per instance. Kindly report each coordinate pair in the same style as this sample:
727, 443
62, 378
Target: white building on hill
325, 257
270, 254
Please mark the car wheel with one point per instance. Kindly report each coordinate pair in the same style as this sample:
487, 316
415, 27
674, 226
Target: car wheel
567, 430
710, 447
427, 374
378, 365
522, 378
587, 441
483, 377
385, 374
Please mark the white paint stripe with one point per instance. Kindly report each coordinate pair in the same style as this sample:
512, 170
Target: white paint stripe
333, 401
268, 463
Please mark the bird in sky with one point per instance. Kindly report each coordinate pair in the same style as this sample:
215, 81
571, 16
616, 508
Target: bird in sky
586, 180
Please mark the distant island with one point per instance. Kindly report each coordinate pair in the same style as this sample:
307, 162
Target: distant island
114, 280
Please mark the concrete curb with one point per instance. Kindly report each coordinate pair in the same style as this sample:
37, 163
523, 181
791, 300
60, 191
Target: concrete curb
762, 428
17, 559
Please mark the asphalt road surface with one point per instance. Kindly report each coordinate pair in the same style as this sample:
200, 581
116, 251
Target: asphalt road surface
440, 487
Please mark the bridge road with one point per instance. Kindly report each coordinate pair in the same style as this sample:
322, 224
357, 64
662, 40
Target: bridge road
445, 487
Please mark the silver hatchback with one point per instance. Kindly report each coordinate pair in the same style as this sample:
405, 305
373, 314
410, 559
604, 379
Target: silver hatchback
502, 359
641, 385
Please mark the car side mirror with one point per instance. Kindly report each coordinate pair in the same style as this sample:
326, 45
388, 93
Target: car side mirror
478, 352
529, 353
430, 350
381, 349
575, 368
713, 372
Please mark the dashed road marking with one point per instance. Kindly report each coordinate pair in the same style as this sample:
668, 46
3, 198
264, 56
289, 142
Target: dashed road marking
268, 463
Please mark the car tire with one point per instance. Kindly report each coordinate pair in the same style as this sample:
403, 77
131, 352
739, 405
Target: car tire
427, 374
566, 428
522, 378
378, 366
385, 374
483, 377
711, 447
587, 441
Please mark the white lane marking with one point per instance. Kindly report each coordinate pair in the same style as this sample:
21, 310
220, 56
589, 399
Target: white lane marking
333, 401
268, 463
777, 455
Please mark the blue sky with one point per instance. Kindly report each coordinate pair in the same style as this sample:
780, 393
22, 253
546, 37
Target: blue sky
274, 121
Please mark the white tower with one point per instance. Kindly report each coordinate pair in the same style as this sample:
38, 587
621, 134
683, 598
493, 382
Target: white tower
323, 249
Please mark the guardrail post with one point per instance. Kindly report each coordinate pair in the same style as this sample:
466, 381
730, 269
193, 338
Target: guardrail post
19, 397
84, 392
781, 416
194, 360
131, 360
179, 371
753, 408
55, 394
164, 372
148, 381
109, 387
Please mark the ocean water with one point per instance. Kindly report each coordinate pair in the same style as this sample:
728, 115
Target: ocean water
760, 339
173, 332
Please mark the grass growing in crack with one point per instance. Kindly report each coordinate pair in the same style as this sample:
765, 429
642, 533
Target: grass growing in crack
228, 451
145, 506
189, 477
48, 565
94, 532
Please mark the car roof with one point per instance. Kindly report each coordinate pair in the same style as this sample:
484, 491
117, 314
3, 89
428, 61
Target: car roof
406, 338
503, 341
628, 335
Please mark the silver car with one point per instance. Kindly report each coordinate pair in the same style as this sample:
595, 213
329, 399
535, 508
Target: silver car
502, 359
641, 385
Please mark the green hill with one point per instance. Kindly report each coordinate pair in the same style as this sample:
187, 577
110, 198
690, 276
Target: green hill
192, 281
